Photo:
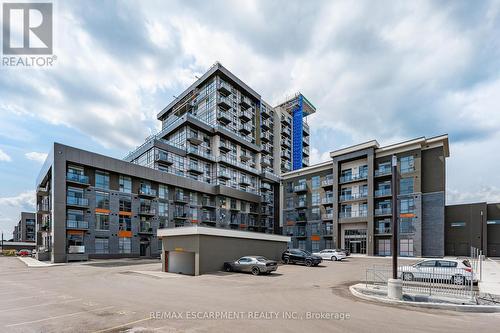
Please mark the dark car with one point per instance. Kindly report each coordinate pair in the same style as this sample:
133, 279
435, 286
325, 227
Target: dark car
251, 264
297, 256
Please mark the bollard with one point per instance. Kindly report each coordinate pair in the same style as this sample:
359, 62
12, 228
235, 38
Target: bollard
395, 289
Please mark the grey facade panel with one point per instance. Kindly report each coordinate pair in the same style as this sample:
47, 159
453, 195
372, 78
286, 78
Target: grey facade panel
433, 224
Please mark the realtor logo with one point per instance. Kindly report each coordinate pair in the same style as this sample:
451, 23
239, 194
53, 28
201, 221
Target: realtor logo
27, 28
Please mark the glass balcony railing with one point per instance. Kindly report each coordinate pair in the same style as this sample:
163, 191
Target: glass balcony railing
300, 188
383, 211
353, 196
327, 216
382, 172
353, 177
147, 191
77, 201
146, 210
327, 182
353, 214
382, 230
383, 192
77, 224
327, 200
77, 178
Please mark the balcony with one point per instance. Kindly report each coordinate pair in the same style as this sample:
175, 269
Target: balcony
245, 157
266, 148
306, 141
353, 178
286, 120
164, 158
353, 197
301, 232
383, 231
77, 224
224, 88
78, 202
383, 172
223, 116
385, 192
353, 214
245, 129
235, 163
77, 178
383, 211
223, 174
266, 198
145, 228
224, 102
42, 190
265, 186
266, 210
305, 151
265, 111
328, 181
180, 215
266, 161
146, 210
305, 128
301, 204
245, 116
286, 131
266, 137
245, 181
266, 124
208, 203
201, 152
245, 102
194, 138
224, 146
327, 216
195, 168
43, 208
208, 218
147, 192
181, 198
300, 188
327, 230
327, 200
286, 143
286, 154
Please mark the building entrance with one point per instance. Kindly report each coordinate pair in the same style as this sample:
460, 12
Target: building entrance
355, 240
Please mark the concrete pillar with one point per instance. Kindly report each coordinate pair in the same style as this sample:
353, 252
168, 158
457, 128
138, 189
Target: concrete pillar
395, 289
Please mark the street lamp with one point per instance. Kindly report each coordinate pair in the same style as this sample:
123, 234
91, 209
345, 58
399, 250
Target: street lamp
394, 218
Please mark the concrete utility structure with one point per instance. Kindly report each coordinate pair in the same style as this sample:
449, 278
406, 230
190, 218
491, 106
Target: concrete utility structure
346, 202
197, 250
474, 224
25, 231
216, 162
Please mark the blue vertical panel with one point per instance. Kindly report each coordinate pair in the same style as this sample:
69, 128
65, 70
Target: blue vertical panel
298, 116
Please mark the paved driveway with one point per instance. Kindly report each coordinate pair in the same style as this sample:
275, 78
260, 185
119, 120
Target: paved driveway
137, 297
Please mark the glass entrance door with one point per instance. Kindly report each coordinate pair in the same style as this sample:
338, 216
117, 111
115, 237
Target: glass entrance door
355, 240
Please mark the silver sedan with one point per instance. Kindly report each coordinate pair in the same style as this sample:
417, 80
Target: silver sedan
251, 264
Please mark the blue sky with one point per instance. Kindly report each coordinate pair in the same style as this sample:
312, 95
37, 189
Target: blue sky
380, 70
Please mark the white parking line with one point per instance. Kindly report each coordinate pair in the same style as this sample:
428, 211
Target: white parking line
57, 317
122, 325
36, 305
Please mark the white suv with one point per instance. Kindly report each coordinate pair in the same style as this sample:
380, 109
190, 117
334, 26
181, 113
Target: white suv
458, 271
329, 254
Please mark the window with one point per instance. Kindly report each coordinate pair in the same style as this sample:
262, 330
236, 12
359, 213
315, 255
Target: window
428, 263
406, 225
315, 199
125, 245
407, 206
315, 245
102, 221
102, 180
384, 247
162, 208
125, 205
493, 222
102, 200
459, 224
406, 185
125, 184
302, 244
125, 223
447, 263
315, 182
163, 191
315, 213
315, 228
101, 246
407, 164
406, 247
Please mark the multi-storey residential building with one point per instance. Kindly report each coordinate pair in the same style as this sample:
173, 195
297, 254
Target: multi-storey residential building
24, 231
215, 162
346, 202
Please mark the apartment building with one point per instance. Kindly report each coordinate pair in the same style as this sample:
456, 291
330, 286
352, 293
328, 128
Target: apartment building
24, 231
347, 202
216, 162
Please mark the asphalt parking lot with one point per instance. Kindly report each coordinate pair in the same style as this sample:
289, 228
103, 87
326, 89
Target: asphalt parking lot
134, 296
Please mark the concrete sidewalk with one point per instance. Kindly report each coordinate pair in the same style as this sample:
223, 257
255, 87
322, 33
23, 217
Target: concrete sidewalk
490, 282
32, 262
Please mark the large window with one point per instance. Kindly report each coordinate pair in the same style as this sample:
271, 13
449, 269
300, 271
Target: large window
302, 244
315, 199
125, 223
315, 182
162, 208
163, 191
125, 245
407, 164
406, 247
125, 205
384, 247
406, 185
102, 221
315, 245
101, 246
102, 180
102, 200
315, 213
407, 206
125, 184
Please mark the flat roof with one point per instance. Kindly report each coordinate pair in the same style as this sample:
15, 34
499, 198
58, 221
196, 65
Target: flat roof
6, 243
220, 232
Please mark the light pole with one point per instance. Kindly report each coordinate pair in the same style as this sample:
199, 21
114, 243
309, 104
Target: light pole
394, 218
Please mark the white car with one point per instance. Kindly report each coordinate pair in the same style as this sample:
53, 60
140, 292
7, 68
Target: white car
329, 254
458, 271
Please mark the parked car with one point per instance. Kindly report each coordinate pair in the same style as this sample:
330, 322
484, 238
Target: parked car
251, 264
458, 271
297, 256
24, 253
346, 251
329, 254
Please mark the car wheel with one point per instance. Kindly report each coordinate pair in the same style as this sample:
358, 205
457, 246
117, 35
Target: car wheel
408, 277
308, 263
286, 260
227, 268
334, 258
255, 270
458, 280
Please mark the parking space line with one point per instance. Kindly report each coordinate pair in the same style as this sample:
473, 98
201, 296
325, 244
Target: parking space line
57, 317
36, 305
122, 325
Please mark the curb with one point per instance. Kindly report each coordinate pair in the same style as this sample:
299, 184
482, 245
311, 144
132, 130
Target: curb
451, 307
39, 264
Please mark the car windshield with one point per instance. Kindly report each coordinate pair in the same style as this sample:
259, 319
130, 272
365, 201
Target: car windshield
261, 259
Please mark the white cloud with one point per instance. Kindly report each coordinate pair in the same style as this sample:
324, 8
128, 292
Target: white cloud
4, 157
318, 157
36, 156
11, 208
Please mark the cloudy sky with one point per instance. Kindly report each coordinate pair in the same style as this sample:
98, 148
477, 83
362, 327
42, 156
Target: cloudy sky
380, 70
